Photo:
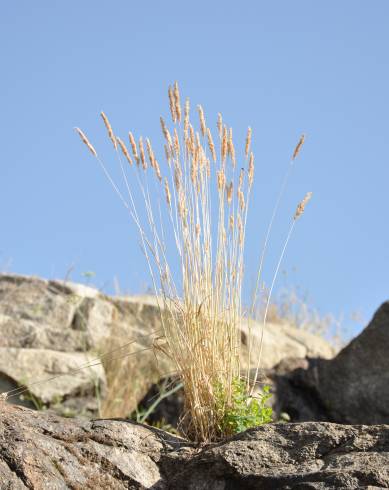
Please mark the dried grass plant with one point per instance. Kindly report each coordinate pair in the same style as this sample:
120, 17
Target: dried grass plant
206, 195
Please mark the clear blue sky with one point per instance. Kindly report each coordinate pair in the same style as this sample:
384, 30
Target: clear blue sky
282, 67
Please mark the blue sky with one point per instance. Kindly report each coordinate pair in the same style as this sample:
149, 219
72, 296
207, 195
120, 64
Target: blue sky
282, 67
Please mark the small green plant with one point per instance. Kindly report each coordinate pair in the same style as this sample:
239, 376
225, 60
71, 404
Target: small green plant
242, 411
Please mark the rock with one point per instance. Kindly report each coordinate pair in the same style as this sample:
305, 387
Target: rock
43, 451
351, 388
293, 396
40, 314
67, 319
282, 341
292, 456
67, 384
354, 386
53, 327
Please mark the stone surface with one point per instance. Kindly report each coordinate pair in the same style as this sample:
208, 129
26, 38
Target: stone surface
50, 326
69, 380
282, 341
293, 456
351, 388
43, 451
354, 386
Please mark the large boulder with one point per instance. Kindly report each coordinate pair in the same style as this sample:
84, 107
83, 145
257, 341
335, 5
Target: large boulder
351, 388
354, 386
43, 451
49, 330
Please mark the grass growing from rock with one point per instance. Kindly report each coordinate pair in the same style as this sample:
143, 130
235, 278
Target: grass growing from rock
194, 247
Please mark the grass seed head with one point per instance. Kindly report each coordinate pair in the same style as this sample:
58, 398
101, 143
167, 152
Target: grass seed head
240, 229
167, 153
231, 148
248, 142
109, 129
241, 199
172, 104
176, 144
221, 180
133, 147
301, 206
224, 144
85, 140
186, 115
220, 125
157, 170
124, 150
203, 126
150, 153
251, 169
177, 102
229, 192
298, 147
211, 145
142, 153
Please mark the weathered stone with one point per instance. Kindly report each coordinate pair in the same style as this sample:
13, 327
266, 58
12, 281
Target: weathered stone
60, 316
40, 314
46, 452
43, 451
354, 386
351, 388
292, 456
65, 323
280, 342
293, 396
67, 381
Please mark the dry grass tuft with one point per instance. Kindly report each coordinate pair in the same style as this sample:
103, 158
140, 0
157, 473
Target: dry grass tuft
207, 221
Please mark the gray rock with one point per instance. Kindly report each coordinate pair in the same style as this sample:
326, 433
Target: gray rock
67, 383
49, 328
281, 341
40, 314
66, 318
43, 451
292, 456
351, 388
354, 386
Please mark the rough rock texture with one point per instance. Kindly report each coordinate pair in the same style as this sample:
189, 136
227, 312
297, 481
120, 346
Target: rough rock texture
66, 385
39, 451
48, 328
52, 327
282, 341
352, 388
43, 451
